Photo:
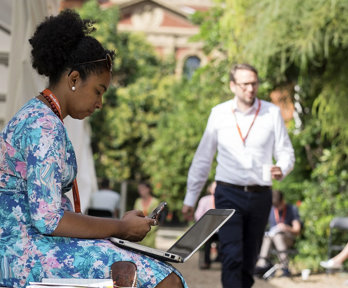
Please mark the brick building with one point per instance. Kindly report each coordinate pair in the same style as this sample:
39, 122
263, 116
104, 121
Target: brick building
166, 25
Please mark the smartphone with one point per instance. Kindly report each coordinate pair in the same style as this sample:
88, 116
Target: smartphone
155, 213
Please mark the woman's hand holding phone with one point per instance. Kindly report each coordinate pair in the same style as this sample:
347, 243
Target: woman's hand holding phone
135, 225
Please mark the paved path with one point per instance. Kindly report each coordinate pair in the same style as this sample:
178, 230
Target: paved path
197, 278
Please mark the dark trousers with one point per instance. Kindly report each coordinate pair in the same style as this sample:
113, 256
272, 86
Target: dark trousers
241, 237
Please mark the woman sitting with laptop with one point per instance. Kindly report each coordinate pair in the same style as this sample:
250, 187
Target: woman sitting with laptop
40, 234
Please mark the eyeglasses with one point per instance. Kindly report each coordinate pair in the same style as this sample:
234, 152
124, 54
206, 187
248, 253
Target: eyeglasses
244, 86
107, 60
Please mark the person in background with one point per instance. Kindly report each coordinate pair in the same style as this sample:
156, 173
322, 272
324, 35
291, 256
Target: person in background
248, 133
337, 261
41, 236
204, 204
105, 201
284, 226
147, 203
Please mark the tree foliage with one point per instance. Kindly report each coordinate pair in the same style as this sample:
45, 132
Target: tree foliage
179, 131
125, 124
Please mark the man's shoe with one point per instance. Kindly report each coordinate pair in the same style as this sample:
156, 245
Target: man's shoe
285, 273
330, 264
204, 266
260, 270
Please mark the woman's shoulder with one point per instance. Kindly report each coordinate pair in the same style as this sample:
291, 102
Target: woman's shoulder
137, 203
155, 200
35, 114
33, 119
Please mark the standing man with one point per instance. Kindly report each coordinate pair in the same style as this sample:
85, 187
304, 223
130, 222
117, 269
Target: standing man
247, 133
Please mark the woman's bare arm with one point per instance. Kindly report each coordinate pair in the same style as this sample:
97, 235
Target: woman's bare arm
133, 226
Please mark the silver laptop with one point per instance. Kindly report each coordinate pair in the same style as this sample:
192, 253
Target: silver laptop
188, 243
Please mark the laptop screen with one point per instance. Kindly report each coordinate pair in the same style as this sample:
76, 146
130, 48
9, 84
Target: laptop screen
200, 232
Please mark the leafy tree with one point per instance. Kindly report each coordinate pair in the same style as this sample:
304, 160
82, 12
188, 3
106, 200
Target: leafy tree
133, 123
179, 132
124, 126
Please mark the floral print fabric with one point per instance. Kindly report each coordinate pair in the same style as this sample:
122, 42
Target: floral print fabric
37, 167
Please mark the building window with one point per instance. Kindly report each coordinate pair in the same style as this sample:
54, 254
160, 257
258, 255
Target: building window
191, 65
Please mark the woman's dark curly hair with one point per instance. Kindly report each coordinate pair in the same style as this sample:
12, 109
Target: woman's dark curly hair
61, 42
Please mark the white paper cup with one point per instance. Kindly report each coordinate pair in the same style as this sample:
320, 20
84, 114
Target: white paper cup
305, 274
266, 172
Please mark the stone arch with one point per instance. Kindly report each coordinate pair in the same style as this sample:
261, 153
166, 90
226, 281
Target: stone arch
190, 55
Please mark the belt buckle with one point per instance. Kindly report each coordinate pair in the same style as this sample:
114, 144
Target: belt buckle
246, 189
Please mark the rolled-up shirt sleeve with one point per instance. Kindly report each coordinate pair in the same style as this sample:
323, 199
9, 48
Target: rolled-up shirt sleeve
201, 163
283, 150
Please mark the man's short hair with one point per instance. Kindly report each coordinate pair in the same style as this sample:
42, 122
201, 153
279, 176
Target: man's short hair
243, 66
277, 197
105, 183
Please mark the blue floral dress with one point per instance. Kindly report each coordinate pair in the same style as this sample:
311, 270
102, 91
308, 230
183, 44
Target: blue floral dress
37, 167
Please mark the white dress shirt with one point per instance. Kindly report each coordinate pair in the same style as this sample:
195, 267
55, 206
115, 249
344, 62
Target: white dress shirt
239, 163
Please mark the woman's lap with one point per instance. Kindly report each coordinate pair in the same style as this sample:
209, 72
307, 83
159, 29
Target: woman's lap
59, 257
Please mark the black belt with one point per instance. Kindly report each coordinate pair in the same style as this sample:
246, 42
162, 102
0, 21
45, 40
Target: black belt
251, 188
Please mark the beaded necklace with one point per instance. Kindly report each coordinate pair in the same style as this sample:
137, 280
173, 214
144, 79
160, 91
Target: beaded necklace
55, 106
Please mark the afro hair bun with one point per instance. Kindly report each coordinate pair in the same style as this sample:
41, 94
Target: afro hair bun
55, 39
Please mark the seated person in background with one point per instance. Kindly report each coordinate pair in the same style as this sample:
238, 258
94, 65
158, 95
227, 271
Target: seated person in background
337, 261
205, 203
146, 203
285, 225
105, 202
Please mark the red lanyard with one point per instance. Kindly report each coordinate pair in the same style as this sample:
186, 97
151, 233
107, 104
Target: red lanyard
252, 123
55, 106
276, 215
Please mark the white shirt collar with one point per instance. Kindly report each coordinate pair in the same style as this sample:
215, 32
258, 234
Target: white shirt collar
251, 109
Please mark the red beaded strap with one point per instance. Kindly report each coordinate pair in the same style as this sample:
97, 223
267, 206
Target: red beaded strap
55, 106
53, 101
